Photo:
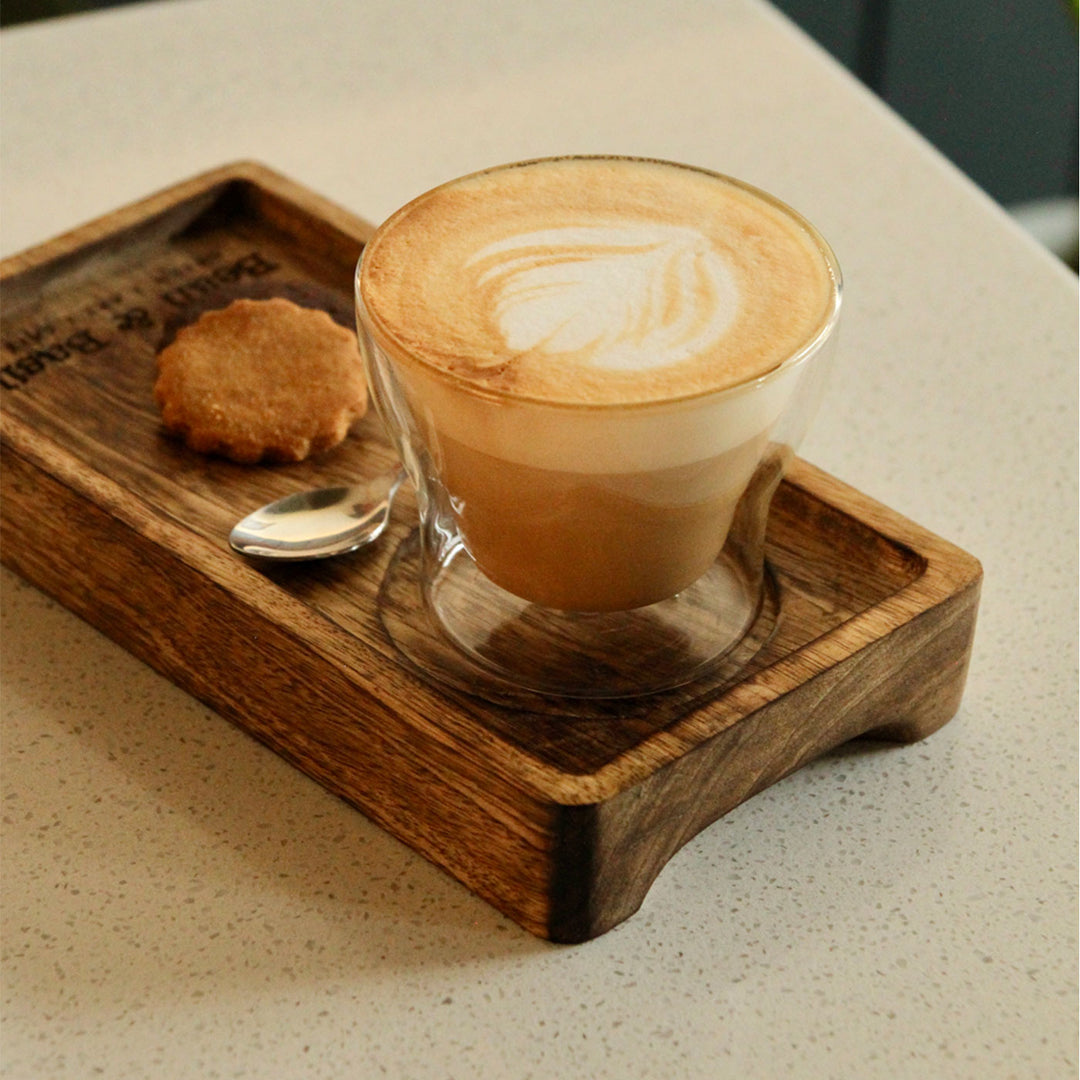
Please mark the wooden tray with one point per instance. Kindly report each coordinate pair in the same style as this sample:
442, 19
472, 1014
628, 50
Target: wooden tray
561, 818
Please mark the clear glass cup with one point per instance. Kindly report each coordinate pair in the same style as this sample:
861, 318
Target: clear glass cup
585, 570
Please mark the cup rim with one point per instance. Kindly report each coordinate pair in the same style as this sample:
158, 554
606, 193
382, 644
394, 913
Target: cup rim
800, 355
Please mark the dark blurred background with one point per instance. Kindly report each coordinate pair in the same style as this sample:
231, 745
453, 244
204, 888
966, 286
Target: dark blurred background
992, 83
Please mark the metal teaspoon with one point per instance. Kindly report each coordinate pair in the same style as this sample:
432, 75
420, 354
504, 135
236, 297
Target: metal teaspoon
315, 524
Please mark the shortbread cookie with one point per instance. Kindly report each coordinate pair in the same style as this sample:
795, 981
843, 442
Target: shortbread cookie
261, 380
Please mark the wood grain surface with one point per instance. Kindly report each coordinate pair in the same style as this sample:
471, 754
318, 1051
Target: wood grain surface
560, 816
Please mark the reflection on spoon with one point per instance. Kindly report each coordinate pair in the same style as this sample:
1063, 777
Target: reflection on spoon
315, 524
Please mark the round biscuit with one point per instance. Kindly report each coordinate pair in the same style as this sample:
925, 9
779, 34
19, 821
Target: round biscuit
261, 380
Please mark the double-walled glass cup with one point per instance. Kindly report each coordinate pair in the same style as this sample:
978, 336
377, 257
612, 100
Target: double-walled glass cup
585, 550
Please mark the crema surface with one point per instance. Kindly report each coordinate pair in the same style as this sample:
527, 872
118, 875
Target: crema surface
596, 281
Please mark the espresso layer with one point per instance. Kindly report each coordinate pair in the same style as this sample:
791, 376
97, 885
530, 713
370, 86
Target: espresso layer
594, 541
596, 281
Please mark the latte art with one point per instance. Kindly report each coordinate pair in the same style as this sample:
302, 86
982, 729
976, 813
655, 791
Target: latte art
623, 297
596, 282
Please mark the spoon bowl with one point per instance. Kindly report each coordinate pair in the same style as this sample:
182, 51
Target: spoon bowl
315, 524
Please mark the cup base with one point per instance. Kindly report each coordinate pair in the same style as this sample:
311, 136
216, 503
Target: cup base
463, 630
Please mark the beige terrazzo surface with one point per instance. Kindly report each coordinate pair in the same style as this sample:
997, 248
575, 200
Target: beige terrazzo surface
177, 902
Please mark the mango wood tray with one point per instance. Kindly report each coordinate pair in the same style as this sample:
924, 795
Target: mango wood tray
561, 817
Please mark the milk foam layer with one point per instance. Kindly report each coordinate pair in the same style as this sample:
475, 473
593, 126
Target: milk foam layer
596, 281
596, 315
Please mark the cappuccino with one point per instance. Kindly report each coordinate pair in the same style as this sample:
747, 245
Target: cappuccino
591, 354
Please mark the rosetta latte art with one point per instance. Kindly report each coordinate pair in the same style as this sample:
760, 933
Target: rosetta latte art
626, 297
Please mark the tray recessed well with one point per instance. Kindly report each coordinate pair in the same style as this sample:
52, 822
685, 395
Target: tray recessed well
560, 818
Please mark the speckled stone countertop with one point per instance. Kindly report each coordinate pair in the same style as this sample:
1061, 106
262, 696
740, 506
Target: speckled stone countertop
178, 902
